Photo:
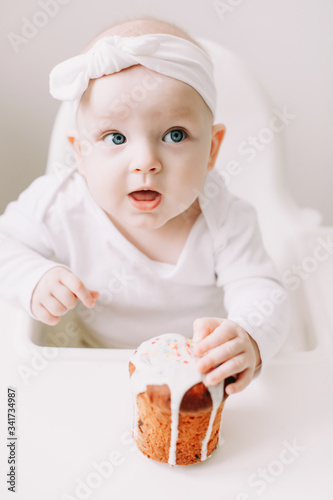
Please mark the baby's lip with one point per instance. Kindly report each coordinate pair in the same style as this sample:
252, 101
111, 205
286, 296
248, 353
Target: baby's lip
145, 188
145, 199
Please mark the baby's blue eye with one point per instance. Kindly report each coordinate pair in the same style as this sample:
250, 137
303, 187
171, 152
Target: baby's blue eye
175, 135
114, 138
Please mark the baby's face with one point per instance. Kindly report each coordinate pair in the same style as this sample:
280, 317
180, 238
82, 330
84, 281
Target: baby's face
150, 143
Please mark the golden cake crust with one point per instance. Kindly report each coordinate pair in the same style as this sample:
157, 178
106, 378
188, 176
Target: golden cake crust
154, 430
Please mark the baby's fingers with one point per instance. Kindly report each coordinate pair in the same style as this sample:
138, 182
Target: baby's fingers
95, 295
202, 327
232, 367
223, 333
45, 316
243, 380
75, 285
220, 354
64, 296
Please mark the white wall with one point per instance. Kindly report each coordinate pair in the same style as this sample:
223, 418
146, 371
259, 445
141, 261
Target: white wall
287, 43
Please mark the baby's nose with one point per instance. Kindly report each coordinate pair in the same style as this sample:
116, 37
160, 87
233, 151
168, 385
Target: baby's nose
146, 161
147, 168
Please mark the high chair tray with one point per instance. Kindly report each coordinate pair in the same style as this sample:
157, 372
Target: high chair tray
73, 428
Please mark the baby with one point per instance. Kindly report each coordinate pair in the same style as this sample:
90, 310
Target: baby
127, 236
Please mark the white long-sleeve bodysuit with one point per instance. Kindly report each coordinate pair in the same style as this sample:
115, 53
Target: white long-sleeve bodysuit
223, 269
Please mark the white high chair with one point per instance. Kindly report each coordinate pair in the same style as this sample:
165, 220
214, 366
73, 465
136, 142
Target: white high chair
86, 392
255, 175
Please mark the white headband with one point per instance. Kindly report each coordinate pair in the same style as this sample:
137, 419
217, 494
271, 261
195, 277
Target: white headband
166, 54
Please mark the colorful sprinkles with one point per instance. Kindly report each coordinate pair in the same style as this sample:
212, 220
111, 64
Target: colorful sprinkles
167, 353
169, 348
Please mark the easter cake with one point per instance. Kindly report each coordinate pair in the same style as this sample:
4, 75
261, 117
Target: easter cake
176, 417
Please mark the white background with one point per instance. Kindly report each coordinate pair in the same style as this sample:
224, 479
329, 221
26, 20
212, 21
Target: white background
287, 43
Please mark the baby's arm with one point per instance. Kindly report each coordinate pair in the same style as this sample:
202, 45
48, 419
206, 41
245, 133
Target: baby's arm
27, 272
57, 292
254, 299
227, 350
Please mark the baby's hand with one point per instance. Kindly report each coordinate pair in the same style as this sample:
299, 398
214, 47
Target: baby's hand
57, 292
228, 351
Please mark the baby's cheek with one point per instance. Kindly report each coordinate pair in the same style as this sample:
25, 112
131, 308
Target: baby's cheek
103, 188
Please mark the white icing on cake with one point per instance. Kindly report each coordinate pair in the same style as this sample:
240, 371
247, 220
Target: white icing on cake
169, 359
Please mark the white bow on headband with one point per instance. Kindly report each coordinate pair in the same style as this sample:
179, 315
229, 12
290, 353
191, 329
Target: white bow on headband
166, 54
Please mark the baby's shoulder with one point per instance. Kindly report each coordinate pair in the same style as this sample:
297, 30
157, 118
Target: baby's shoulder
221, 208
215, 200
51, 191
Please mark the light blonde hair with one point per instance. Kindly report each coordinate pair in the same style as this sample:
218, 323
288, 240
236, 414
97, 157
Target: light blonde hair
143, 26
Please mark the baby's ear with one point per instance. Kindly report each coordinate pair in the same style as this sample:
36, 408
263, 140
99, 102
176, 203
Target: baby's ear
73, 138
218, 132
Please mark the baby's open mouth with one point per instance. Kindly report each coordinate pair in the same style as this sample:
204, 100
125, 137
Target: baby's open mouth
144, 195
145, 199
